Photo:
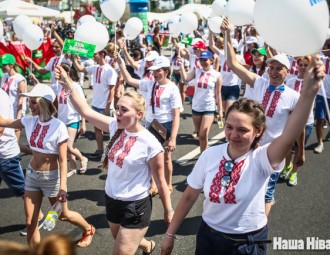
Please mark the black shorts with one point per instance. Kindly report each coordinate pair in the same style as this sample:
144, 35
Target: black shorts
129, 214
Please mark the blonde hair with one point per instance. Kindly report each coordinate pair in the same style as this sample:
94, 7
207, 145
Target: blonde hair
47, 108
111, 47
13, 248
139, 103
55, 244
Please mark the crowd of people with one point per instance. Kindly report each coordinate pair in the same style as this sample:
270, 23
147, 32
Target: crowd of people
262, 96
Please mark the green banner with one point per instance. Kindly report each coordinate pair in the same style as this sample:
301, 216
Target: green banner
82, 49
186, 40
37, 54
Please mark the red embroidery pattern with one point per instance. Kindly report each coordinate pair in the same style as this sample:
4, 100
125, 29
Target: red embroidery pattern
98, 74
63, 98
298, 86
116, 147
294, 68
158, 93
128, 145
230, 197
273, 104
203, 80
176, 62
265, 100
34, 135
149, 76
215, 189
7, 84
42, 136
225, 67
55, 63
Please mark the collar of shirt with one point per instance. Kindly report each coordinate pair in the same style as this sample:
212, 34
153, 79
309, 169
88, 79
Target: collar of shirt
272, 88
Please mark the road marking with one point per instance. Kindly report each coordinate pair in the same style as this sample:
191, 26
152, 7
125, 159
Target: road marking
192, 154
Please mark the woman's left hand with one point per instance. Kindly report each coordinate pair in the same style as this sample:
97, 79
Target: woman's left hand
62, 196
169, 145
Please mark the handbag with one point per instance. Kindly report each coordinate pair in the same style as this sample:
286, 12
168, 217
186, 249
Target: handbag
190, 91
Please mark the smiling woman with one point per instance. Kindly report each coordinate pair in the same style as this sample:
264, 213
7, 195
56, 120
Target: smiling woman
132, 156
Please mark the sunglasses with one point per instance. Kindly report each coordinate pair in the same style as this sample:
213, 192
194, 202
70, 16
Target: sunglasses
194, 48
33, 102
303, 65
225, 180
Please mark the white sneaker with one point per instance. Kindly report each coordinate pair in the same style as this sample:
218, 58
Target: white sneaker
319, 149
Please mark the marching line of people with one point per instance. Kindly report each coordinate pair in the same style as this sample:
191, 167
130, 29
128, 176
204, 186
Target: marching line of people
143, 124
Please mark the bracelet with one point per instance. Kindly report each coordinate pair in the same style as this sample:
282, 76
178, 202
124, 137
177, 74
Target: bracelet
171, 236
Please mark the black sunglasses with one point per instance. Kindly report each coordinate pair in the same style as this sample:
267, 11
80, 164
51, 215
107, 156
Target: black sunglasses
225, 180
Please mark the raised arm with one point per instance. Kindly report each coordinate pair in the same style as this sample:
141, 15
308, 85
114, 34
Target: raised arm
128, 58
77, 65
214, 48
38, 68
126, 75
245, 75
279, 148
99, 120
186, 77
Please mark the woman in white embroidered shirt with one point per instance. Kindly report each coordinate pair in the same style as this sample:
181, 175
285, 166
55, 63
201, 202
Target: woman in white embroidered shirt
132, 155
234, 177
46, 174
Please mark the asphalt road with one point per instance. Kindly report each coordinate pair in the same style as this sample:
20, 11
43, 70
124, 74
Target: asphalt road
299, 212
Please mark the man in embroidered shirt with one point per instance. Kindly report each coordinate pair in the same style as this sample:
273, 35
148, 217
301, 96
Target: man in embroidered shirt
105, 79
278, 101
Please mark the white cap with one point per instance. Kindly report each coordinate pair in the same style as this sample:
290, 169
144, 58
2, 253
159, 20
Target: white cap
41, 90
160, 62
251, 39
234, 43
151, 55
282, 58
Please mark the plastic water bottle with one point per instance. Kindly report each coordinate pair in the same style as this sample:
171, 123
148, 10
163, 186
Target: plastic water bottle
219, 121
53, 216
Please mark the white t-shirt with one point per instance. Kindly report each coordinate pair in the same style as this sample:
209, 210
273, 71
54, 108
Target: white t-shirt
104, 77
128, 170
175, 63
113, 63
204, 97
8, 141
241, 207
10, 85
44, 137
248, 89
326, 81
297, 85
278, 114
66, 112
142, 73
194, 62
166, 98
53, 62
229, 78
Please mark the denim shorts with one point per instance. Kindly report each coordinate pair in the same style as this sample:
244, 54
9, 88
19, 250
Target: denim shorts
320, 110
176, 77
99, 110
129, 214
75, 125
48, 182
12, 174
209, 113
308, 130
167, 125
212, 242
270, 193
230, 92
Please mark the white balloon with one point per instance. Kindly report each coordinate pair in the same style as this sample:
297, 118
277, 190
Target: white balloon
328, 34
188, 22
173, 25
113, 9
84, 19
218, 7
20, 24
93, 33
214, 24
240, 12
297, 28
133, 28
33, 37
